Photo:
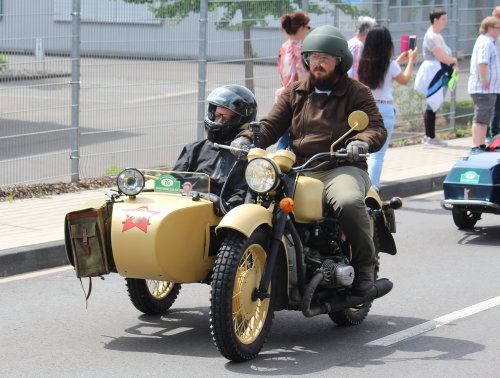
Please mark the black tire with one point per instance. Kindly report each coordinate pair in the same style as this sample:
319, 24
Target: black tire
240, 325
152, 297
355, 315
465, 219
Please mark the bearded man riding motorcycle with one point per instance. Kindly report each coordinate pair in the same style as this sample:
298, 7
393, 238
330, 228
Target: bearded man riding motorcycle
230, 109
317, 109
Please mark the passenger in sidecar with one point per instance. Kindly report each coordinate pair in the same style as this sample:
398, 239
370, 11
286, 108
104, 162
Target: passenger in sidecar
230, 109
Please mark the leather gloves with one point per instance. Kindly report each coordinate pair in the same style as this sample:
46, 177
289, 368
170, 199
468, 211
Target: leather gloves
242, 142
356, 148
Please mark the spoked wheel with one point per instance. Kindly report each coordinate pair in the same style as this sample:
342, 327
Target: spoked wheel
465, 219
152, 297
356, 315
240, 324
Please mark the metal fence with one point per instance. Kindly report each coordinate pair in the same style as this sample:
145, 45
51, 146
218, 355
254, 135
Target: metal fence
88, 87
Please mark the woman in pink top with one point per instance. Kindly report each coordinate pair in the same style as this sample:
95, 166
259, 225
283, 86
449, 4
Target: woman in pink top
290, 67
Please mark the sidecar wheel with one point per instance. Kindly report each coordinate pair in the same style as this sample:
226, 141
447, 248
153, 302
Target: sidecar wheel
355, 315
465, 219
240, 325
152, 297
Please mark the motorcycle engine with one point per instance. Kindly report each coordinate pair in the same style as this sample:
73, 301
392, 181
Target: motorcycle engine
336, 274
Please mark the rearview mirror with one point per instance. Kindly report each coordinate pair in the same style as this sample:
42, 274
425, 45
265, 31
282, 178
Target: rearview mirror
357, 120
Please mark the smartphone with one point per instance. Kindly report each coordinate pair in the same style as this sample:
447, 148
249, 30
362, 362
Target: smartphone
404, 43
412, 42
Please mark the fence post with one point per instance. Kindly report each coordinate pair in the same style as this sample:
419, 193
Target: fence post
75, 89
305, 6
202, 68
453, 95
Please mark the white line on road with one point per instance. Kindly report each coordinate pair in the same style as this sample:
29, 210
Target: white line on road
432, 324
34, 274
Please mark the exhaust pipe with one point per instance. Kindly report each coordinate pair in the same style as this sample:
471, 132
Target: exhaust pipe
337, 303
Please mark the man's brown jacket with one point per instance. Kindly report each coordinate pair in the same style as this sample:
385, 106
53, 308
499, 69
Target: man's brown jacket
317, 120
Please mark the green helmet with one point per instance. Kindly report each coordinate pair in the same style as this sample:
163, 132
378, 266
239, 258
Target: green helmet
327, 39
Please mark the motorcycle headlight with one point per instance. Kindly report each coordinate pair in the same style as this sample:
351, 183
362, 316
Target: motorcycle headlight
130, 182
262, 175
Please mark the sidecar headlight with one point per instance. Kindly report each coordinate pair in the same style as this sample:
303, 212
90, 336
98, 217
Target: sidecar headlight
130, 182
262, 175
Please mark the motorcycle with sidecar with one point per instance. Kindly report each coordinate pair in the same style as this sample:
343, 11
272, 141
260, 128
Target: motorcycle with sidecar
283, 249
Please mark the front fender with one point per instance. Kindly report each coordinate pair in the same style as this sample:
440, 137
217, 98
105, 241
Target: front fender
384, 225
246, 218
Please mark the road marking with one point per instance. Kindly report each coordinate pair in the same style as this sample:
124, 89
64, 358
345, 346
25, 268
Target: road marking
160, 97
34, 274
433, 324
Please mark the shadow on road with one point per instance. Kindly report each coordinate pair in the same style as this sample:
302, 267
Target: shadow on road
296, 345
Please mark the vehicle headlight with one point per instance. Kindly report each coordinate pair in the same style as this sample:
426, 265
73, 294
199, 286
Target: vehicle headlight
262, 175
130, 182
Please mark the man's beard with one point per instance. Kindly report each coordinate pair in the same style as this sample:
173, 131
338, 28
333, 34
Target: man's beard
325, 82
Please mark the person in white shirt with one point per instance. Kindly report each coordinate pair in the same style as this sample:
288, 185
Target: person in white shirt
437, 58
495, 129
378, 70
355, 44
484, 79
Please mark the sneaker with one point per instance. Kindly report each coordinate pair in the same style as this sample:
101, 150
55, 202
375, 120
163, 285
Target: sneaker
480, 148
425, 139
436, 142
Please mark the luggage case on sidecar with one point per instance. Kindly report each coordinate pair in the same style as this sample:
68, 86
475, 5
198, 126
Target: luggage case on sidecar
472, 187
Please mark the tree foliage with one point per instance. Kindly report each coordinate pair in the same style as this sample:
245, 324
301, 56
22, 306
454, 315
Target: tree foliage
255, 12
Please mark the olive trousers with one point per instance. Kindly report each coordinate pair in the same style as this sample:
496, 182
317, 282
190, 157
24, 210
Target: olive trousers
345, 191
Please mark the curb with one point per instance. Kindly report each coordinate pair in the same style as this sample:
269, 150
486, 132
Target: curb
33, 257
413, 186
53, 254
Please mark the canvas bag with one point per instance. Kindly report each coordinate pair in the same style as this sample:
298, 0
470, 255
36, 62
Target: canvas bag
88, 240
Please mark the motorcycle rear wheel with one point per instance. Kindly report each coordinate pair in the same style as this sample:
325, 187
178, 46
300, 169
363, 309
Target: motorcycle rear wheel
240, 325
465, 219
355, 315
152, 297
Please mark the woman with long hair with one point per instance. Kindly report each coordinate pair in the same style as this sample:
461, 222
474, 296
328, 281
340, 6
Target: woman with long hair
378, 70
290, 66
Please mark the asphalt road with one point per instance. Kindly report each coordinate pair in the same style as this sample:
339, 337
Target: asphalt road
441, 319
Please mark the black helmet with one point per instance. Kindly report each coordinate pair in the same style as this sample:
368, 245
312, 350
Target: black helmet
236, 98
327, 39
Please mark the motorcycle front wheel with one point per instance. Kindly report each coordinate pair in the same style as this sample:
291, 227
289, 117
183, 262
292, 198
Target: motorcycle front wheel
240, 325
152, 297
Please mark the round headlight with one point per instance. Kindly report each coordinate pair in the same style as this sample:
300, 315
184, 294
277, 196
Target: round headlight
130, 182
262, 175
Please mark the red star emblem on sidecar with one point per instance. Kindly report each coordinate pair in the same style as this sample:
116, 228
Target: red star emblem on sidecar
138, 218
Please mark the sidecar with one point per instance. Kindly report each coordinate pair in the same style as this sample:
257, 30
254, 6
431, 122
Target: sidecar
472, 187
162, 232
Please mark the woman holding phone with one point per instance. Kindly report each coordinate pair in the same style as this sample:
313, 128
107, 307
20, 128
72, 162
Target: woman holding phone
378, 70
438, 63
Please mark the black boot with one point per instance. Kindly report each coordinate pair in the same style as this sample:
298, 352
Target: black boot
363, 282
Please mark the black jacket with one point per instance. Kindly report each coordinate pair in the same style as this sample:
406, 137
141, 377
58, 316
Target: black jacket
202, 156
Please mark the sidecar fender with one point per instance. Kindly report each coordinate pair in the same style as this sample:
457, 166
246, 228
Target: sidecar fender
245, 219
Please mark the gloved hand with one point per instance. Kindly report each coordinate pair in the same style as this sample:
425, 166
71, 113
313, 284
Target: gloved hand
241, 142
355, 148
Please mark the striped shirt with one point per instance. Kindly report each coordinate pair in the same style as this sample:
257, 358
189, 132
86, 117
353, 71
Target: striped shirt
356, 48
484, 51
